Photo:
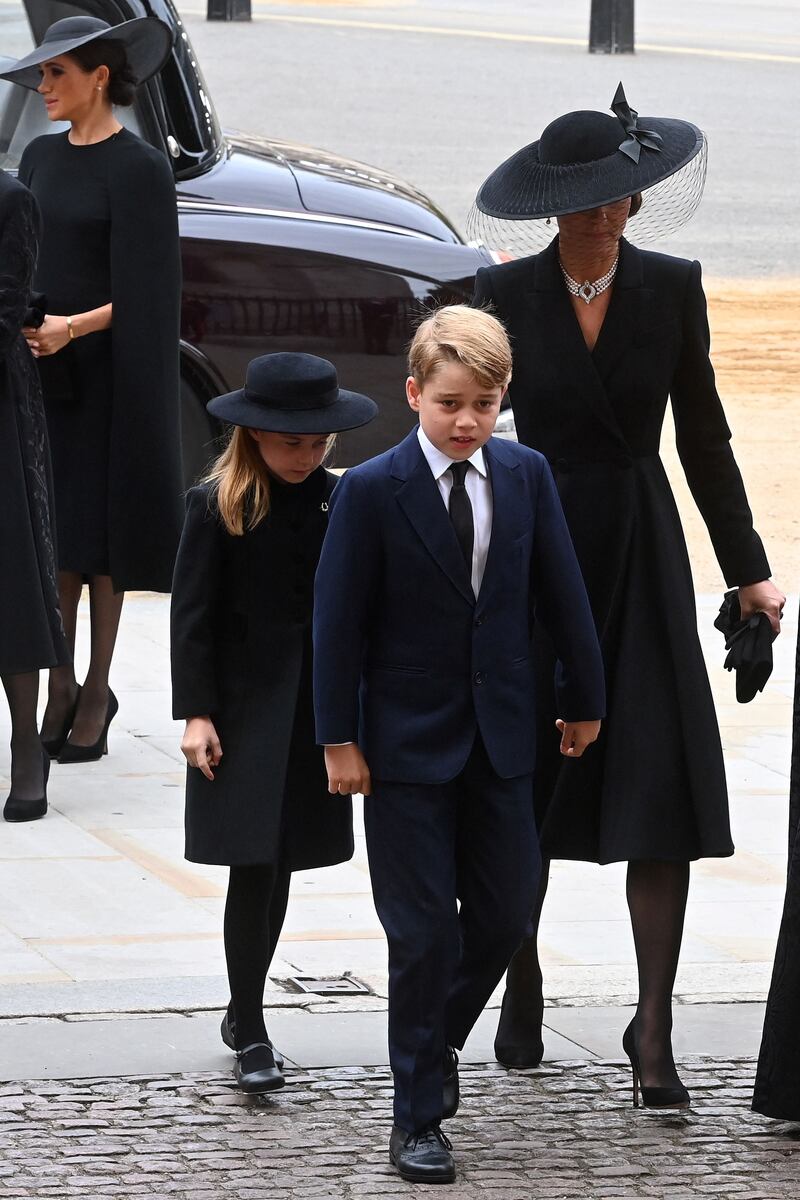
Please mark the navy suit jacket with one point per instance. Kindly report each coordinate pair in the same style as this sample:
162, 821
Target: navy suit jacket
407, 662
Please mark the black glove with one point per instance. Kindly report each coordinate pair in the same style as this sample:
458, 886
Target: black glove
749, 646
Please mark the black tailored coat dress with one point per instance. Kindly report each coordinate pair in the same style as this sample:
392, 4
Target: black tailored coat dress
777, 1087
654, 784
31, 631
241, 653
110, 233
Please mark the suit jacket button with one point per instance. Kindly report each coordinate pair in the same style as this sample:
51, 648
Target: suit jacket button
478, 622
478, 678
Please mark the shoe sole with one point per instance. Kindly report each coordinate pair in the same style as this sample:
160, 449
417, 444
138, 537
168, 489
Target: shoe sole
275, 1086
421, 1176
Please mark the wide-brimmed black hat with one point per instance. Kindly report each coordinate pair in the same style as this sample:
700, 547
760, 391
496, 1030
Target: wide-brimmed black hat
293, 393
586, 159
146, 41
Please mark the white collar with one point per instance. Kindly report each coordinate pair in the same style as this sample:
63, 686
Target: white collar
439, 462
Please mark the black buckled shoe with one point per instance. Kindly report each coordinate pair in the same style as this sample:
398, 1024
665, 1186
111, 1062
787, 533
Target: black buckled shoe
450, 1089
255, 1070
227, 1032
422, 1157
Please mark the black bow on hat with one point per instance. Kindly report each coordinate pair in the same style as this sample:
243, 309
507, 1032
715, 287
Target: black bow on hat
632, 146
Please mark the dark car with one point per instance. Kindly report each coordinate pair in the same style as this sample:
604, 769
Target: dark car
284, 247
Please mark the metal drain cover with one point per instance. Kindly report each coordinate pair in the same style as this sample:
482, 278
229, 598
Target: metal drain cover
340, 985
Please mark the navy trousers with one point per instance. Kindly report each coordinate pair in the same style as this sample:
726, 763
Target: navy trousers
455, 872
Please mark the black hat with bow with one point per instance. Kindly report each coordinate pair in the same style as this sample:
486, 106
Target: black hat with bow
586, 159
147, 42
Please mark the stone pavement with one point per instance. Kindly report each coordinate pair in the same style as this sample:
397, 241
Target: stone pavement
566, 1131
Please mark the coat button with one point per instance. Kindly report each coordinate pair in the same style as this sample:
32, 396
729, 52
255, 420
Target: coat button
478, 622
478, 678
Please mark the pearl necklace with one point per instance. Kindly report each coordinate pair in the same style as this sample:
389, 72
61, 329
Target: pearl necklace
586, 290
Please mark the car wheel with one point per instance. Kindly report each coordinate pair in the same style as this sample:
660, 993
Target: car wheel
199, 434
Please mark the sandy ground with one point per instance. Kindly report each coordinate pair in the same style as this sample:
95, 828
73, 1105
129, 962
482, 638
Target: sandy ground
755, 347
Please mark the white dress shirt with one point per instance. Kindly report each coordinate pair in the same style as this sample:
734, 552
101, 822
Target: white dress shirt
479, 490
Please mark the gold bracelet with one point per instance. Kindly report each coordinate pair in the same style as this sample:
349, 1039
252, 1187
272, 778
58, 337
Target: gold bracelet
71, 330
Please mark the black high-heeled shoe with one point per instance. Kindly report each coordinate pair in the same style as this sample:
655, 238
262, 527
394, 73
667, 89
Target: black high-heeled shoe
71, 753
54, 746
29, 810
227, 1031
514, 1046
652, 1097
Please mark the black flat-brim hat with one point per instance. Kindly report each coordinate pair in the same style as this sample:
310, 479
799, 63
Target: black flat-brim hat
293, 393
146, 40
586, 159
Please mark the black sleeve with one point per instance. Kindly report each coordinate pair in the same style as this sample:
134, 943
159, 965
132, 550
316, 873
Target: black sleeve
195, 593
19, 227
483, 296
703, 440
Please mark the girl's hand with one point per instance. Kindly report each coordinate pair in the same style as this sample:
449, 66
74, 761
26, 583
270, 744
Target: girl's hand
347, 770
576, 736
762, 597
201, 745
51, 336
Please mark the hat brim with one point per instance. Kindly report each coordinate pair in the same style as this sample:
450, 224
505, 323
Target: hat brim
349, 411
523, 189
147, 42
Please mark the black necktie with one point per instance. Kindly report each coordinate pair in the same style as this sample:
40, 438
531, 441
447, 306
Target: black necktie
460, 511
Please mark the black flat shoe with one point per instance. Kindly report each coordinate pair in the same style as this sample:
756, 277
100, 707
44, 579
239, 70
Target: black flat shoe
422, 1157
255, 1070
54, 746
450, 1088
516, 1046
227, 1032
652, 1097
29, 810
71, 753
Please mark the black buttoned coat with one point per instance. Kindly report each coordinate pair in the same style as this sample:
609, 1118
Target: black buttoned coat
654, 785
241, 653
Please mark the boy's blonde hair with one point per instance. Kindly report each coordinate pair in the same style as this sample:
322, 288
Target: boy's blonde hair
458, 333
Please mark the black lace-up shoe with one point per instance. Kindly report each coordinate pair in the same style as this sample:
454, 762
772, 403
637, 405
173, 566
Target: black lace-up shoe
422, 1157
450, 1091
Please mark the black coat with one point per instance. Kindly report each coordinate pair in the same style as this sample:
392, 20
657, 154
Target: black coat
241, 652
777, 1088
654, 785
110, 233
31, 632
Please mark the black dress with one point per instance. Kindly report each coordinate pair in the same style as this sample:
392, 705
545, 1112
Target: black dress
241, 652
777, 1089
31, 631
111, 397
654, 784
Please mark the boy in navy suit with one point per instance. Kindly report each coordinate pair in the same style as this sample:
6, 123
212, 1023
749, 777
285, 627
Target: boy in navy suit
439, 556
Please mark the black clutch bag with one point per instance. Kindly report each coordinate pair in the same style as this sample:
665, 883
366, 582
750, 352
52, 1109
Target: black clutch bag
749, 646
37, 308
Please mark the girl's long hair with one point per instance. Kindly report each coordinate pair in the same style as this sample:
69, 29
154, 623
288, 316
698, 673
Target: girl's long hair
240, 482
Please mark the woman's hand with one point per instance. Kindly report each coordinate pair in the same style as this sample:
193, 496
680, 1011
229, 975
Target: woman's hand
51, 336
762, 597
576, 736
347, 770
201, 745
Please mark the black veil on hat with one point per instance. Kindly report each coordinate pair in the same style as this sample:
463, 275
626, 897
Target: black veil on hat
146, 40
583, 160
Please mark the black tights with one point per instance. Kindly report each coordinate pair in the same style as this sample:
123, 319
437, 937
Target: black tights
254, 913
27, 758
656, 893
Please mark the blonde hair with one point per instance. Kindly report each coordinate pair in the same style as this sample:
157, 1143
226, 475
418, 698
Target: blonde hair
458, 333
240, 482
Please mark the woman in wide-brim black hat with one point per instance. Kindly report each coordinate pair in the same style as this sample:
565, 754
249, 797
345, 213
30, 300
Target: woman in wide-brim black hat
109, 268
257, 795
604, 334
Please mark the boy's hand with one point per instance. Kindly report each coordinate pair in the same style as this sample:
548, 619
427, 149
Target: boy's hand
201, 745
576, 736
347, 770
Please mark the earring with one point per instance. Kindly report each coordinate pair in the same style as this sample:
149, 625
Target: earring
99, 88
549, 221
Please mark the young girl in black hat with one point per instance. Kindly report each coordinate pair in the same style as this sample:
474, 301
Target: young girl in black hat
256, 790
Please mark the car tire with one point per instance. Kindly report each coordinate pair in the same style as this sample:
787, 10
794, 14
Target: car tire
200, 434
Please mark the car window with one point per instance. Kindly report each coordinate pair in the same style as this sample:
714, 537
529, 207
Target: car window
22, 113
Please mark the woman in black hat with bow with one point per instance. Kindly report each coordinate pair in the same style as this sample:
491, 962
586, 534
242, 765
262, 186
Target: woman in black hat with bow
604, 335
256, 790
109, 268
